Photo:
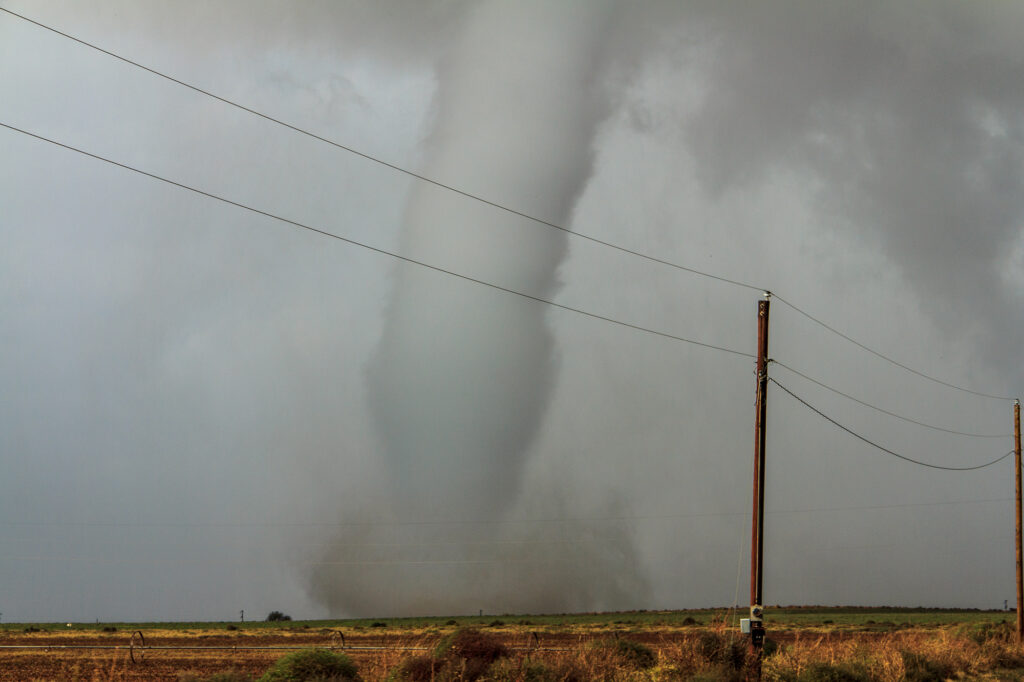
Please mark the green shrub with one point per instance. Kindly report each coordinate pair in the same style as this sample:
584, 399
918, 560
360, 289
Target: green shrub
277, 616
311, 664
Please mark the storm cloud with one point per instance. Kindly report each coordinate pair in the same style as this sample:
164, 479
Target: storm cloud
207, 410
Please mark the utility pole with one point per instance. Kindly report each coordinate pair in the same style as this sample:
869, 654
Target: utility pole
1020, 574
757, 535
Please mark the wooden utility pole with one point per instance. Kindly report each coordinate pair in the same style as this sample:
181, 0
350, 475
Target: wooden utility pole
757, 536
1020, 574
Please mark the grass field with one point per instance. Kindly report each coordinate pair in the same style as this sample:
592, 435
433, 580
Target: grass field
806, 644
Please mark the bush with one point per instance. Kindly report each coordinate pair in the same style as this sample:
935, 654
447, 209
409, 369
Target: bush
416, 669
467, 653
312, 664
109, 628
721, 649
629, 653
470, 643
277, 616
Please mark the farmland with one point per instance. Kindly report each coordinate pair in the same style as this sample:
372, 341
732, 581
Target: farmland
867, 643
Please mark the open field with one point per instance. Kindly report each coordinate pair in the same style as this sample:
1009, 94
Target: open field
885, 644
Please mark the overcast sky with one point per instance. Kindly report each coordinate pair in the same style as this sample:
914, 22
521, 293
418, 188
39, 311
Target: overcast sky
205, 410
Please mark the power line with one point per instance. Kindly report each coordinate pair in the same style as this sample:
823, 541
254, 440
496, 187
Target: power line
497, 205
375, 249
878, 354
392, 166
876, 445
884, 411
108, 559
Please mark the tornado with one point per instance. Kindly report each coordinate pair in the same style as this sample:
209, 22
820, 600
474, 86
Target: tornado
463, 374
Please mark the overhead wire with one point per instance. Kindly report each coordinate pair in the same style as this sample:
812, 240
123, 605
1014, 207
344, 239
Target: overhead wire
502, 207
888, 359
884, 411
881, 447
392, 254
113, 559
392, 166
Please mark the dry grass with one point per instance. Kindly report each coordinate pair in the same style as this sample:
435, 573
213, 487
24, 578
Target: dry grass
909, 656
912, 655
981, 651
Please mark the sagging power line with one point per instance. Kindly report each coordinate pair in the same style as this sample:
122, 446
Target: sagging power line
502, 207
881, 447
888, 359
934, 427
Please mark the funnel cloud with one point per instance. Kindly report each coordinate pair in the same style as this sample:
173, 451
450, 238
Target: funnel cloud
462, 378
